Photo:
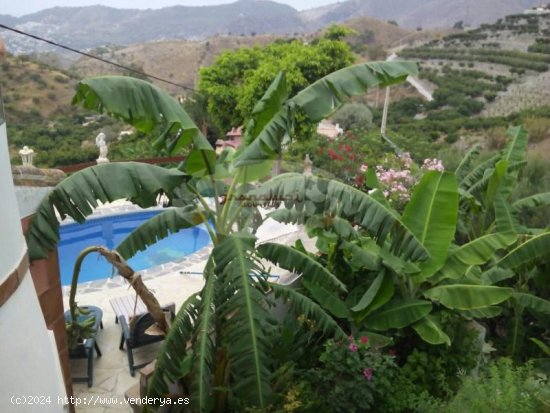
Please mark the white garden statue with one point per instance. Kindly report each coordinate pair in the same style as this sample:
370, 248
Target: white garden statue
103, 149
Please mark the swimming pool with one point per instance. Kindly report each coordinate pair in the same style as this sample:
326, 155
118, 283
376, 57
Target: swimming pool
109, 231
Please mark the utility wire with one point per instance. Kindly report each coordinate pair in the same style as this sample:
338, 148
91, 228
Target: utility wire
91, 56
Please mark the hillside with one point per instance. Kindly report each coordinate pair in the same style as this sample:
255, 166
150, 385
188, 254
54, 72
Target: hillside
88, 27
93, 26
508, 63
33, 89
174, 60
419, 13
378, 34
180, 60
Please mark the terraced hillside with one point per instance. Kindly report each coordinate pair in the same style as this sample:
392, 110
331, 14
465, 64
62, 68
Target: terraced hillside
504, 67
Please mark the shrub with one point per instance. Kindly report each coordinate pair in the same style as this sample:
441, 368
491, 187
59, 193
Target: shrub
539, 128
502, 388
351, 377
61, 79
353, 116
496, 138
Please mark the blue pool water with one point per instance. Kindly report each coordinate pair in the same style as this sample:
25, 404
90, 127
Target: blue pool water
109, 231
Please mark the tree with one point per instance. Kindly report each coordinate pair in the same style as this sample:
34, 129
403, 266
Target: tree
227, 323
237, 80
353, 116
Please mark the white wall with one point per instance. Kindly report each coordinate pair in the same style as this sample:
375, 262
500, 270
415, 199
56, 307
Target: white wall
12, 242
29, 364
29, 198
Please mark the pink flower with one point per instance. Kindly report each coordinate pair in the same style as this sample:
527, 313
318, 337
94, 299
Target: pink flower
364, 339
433, 165
363, 168
353, 347
368, 374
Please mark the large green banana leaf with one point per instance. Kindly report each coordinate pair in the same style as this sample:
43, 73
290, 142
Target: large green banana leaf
78, 195
484, 312
203, 361
495, 274
296, 261
505, 216
146, 107
141, 104
174, 358
306, 196
514, 153
302, 305
320, 99
476, 252
494, 183
364, 256
531, 252
468, 297
327, 299
267, 107
242, 304
398, 314
477, 174
384, 293
431, 215
430, 331
533, 201
465, 163
533, 303
159, 227
368, 296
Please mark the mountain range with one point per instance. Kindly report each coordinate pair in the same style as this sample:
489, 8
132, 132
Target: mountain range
93, 26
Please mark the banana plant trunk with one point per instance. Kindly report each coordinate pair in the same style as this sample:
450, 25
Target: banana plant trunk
126, 272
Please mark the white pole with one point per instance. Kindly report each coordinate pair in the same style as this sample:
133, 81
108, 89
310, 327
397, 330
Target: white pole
385, 112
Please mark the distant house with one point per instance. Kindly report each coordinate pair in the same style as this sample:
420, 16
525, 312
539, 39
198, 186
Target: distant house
329, 129
233, 139
538, 10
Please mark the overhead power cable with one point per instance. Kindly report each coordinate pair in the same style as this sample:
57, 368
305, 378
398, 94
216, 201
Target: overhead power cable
91, 56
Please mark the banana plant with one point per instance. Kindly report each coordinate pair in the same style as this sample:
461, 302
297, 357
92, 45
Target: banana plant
412, 275
477, 276
487, 207
218, 346
485, 190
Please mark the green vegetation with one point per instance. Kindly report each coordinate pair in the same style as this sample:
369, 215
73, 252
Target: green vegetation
427, 290
235, 82
228, 367
515, 59
502, 387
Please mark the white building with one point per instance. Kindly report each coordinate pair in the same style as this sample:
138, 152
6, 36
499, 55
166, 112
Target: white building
29, 362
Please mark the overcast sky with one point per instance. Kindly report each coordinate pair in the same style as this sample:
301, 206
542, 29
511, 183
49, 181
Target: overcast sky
19, 8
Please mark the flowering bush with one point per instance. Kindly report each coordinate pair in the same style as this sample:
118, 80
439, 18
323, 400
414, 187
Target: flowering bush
349, 159
433, 165
351, 377
397, 175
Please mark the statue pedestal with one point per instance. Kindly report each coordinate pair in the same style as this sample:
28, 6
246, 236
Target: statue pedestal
101, 160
